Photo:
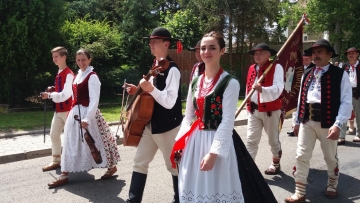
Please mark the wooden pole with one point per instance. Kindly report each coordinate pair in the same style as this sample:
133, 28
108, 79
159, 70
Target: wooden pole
269, 67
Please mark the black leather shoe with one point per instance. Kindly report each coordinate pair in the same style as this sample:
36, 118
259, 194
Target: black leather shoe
291, 133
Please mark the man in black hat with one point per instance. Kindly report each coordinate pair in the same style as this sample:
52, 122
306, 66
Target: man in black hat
352, 67
198, 67
265, 104
165, 122
324, 106
307, 62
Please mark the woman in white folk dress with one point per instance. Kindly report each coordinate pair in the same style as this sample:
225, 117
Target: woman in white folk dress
214, 162
76, 155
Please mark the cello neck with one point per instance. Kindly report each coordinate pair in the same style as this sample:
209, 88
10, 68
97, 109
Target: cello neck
138, 92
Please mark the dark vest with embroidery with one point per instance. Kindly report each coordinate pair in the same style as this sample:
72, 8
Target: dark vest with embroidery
213, 103
346, 67
59, 86
164, 119
267, 82
81, 92
330, 95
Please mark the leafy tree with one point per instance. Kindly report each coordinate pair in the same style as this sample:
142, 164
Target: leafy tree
28, 31
103, 42
339, 19
138, 21
184, 25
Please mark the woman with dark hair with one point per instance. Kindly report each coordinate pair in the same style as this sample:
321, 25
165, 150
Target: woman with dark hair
85, 115
215, 165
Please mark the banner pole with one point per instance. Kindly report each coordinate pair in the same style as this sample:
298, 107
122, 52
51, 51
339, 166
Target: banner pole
298, 26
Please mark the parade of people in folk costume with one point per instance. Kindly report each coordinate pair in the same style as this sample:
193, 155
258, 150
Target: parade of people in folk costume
206, 158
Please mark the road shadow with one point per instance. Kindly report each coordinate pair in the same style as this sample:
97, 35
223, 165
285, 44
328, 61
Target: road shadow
84, 184
282, 180
316, 186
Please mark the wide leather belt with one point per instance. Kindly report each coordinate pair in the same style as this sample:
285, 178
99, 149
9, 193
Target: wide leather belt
254, 106
314, 111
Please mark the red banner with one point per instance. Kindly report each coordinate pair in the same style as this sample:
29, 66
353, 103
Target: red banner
291, 60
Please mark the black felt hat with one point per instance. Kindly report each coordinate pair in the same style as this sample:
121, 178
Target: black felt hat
196, 47
161, 33
323, 43
262, 46
307, 53
352, 49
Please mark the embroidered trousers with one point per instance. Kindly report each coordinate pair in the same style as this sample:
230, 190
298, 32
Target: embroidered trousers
148, 146
256, 122
309, 132
57, 126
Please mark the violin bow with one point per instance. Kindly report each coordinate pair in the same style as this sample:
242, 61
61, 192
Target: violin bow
44, 119
121, 119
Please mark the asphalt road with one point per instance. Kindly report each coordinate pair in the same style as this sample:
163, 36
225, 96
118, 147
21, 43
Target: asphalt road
24, 181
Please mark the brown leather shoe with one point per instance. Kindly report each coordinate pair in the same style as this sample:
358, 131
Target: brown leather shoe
109, 173
331, 194
272, 170
296, 199
58, 182
50, 167
341, 141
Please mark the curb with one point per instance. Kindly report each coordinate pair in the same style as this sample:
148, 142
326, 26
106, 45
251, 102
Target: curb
33, 154
47, 152
32, 132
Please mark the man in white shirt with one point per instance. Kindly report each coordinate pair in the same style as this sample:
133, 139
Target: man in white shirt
352, 67
324, 106
264, 107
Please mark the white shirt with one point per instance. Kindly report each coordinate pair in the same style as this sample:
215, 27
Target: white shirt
352, 74
272, 92
314, 96
167, 97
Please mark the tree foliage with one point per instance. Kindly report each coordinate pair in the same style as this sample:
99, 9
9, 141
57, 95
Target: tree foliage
29, 30
104, 44
340, 19
184, 25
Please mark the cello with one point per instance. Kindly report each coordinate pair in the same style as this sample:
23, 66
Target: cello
140, 108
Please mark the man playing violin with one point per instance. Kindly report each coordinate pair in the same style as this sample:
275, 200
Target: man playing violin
165, 122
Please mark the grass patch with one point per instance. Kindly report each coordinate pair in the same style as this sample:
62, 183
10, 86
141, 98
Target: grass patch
34, 120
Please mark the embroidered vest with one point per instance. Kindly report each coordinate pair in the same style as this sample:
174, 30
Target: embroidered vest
267, 82
330, 95
213, 103
164, 119
346, 68
81, 92
59, 86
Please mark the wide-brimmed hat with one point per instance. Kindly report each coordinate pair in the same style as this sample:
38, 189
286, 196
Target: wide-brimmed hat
352, 49
306, 53
262, 46
323, 43
197, 46
163, 33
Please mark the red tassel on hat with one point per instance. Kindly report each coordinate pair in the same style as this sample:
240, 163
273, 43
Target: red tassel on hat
179, 47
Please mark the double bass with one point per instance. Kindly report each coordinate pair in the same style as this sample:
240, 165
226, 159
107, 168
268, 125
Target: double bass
140, 108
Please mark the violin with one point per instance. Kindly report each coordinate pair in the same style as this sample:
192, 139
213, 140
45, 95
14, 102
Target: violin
91, 143
140, 108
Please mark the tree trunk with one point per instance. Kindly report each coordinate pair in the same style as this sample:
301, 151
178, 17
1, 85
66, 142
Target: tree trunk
338, 39
230, 29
